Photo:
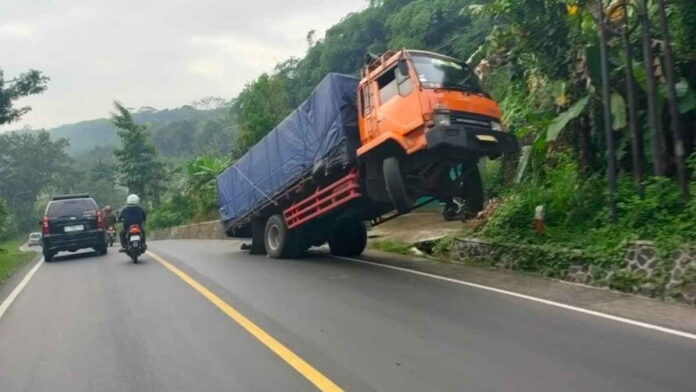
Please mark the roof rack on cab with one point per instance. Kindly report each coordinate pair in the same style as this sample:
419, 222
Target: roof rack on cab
73, 196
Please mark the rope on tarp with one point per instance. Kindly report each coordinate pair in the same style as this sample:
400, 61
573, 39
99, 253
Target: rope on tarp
254, 185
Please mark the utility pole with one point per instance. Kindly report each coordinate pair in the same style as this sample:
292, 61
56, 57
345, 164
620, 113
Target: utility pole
672, 104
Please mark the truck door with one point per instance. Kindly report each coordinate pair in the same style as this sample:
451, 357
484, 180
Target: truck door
368, 121
399, 110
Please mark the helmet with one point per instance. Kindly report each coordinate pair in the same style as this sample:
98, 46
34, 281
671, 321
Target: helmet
107, 208
133, 199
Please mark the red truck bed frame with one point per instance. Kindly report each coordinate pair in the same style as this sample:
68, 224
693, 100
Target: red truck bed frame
323, 200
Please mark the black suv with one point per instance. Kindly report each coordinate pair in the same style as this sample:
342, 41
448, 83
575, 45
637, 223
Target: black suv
72, 222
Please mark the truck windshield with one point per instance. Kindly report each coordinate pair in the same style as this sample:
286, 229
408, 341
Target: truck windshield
435, 72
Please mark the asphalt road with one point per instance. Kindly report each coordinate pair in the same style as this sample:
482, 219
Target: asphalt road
91, 323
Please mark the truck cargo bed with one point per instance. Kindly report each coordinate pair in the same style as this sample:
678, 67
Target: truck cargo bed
320, 132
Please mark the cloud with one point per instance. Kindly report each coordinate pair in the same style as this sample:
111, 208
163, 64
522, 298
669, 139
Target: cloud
253, 53
208, 68
17, 29
160, 53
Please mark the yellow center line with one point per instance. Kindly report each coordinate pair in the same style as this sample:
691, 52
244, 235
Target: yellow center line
292, 359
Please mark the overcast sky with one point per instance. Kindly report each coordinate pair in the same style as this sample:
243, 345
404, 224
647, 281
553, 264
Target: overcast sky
161, 53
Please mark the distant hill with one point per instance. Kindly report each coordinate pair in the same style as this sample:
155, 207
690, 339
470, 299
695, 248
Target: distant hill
87, 135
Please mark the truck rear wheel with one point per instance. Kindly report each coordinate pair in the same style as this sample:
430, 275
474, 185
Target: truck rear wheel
280, 242
348, 237
396, 186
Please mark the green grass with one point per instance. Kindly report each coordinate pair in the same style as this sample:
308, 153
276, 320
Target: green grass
11, 258
392, 247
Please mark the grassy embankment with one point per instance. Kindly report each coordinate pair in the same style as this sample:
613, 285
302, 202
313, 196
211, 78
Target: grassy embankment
11, 258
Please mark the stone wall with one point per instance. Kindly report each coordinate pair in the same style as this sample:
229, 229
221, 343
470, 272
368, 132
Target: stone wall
205, 230
643, 270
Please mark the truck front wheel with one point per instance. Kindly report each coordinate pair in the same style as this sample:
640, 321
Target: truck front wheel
348, 237
472, 187
280, 242
396, 186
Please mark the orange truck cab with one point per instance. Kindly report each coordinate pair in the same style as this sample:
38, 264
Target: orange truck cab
424, 123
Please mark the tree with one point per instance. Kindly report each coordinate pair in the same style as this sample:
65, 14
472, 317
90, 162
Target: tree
102, 185
139, 168
200, 179
261, 106
29, 83
213, 138
29, 163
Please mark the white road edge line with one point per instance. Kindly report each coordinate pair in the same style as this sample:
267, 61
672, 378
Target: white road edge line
13, 295
531, 298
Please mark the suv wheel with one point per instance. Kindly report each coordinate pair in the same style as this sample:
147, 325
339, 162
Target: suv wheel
48, 256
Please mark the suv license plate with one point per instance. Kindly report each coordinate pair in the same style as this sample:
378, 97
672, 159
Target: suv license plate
135, 238
70, 229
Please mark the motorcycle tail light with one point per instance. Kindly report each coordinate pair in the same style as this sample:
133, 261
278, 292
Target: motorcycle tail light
134, 230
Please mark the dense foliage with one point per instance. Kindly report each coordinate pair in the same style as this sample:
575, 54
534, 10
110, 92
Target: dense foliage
3, 220
192, 195
540, 59
29, 165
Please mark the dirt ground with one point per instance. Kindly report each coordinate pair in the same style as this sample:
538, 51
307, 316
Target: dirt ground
416, 227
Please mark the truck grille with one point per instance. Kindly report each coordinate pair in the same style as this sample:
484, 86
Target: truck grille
471, 120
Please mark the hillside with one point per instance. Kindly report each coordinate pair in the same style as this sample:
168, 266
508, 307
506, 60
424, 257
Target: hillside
87, 135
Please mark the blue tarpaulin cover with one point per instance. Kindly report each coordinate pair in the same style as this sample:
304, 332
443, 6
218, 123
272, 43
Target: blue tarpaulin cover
308, 135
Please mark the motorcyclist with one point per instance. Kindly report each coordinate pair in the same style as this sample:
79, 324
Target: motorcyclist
131, 214
109, 217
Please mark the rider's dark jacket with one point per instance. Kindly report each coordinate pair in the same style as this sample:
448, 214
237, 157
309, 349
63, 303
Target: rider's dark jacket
132, 215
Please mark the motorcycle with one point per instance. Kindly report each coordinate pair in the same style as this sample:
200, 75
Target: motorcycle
110, 236
135, 245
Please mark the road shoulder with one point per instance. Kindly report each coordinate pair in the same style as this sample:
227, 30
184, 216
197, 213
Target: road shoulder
8, 285
669, 315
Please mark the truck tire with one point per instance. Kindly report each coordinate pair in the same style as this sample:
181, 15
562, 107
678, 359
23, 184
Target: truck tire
348, 237
280, 242
472, 187
258, 246
396, 187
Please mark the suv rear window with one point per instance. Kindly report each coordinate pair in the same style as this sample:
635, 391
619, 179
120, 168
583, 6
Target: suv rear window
71, 207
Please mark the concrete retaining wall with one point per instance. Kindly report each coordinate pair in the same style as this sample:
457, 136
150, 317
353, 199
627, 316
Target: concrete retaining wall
205, 230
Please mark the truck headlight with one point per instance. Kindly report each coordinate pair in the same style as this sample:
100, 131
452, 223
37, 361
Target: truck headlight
442, 119
496, 126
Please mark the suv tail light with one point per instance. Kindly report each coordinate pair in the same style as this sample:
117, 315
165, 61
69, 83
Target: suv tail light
100, 220
44, 225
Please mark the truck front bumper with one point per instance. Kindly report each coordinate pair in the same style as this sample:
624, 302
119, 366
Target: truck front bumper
478, 141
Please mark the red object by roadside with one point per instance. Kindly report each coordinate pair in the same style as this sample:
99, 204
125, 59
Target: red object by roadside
100, 220
44, 225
